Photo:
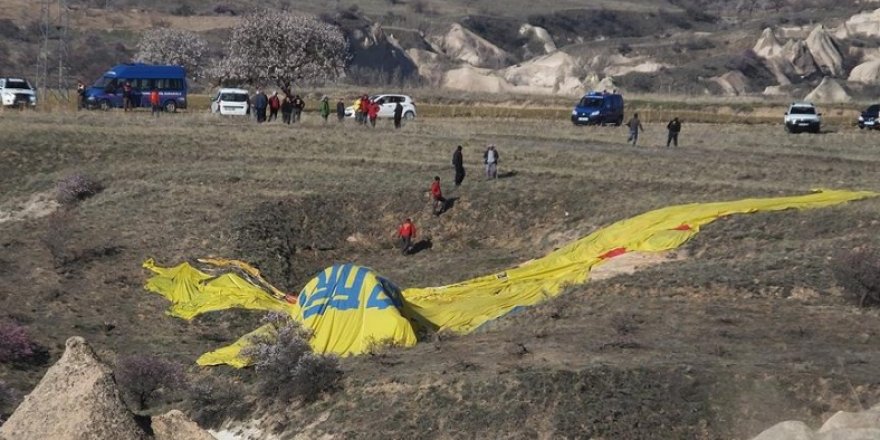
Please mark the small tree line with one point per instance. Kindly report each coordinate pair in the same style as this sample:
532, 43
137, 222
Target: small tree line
266, 47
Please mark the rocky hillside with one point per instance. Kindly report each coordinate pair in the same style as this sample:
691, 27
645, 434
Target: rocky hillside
776, 48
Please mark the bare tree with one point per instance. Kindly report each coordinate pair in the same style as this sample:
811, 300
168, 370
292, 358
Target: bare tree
284, 48
173, 46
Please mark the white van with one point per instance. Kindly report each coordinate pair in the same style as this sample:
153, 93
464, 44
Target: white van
233, 102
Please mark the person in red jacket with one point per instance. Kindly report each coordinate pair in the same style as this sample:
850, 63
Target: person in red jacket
373, 112
274, 105
155, 105
406, 233
437, 195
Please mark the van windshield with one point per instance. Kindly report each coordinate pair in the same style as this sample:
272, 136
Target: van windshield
591, 101
104, 81
233, 97
803, 111
17, 84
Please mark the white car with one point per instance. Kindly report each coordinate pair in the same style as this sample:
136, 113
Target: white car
387, 104
234, 102
15, 92
802, 116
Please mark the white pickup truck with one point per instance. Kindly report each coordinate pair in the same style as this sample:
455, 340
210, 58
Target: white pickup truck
17, 92
802, 116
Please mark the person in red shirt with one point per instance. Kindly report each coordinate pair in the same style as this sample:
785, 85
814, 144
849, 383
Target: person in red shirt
373, 112
274, 105
154, 102
437, 195
406, 233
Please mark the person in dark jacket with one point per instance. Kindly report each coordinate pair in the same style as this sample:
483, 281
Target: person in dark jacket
458, 164
398, 114
340, 110
127, 97
286, 109
298, 106
674, 127
261, 101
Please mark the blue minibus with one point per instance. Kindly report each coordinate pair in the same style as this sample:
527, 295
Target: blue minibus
106, 92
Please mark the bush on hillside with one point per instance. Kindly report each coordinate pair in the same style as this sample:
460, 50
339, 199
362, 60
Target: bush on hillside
212, 401
286, 366
15, 343
858, 272
75, 188
141, 377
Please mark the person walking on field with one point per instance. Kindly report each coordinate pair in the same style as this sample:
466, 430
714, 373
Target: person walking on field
325, 108
491, 158
286, 109
458, 164
437, 195
127, 95
274, 105
674, 127
261, 101
155, 105
398, 114
373, 112
406, 233
298, 106
340, 111
635, 126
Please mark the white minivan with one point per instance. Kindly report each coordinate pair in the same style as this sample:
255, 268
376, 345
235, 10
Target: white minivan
234, 102
17, 92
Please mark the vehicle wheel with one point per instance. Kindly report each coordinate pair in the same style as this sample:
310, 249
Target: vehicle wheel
409, 115
816, 130
170, 106
618, 122
104, 105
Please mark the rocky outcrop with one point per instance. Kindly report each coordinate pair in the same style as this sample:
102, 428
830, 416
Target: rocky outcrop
830, 91
864, 425
768, 46
463, 45
374, 51
866, 73
557, 73
474, 79
77, 399
536, 37
825, 53
865, 24
174, 425
732, 83
798, 54
429, 64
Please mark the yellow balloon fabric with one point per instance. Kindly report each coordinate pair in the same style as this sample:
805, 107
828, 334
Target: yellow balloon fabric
349, 308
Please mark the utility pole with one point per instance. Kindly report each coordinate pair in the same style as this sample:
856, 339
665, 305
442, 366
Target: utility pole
53, 53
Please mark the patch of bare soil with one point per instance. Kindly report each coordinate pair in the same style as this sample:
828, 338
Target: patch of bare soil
630, 262
37, 205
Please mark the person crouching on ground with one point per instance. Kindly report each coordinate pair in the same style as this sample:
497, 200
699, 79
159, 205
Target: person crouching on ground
437, 196
406, 233
491, 158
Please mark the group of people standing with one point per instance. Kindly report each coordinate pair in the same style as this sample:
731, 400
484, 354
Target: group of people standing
366, 111
406, 233
673, 128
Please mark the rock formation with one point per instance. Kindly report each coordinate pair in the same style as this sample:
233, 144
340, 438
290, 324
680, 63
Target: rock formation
77, 399
768, 46
830, 91
557, 73
865, 24
864, 425
536, 36
825, 52
866, 73
463, 45
732, 83
473, 79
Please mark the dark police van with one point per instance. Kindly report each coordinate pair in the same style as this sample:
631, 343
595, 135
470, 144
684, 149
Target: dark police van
598, 108
106, 92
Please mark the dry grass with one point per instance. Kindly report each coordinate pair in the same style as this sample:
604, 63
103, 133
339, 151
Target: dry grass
178, 187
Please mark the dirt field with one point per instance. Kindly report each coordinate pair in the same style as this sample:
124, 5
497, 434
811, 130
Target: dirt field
742, 328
